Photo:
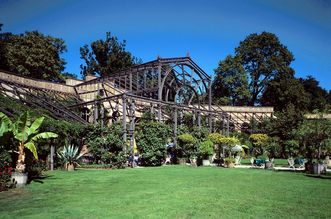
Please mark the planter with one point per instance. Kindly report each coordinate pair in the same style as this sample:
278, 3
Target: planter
229, 165
318, 168
193, 162
268, 165
205, 163
182, 161
20, 179
70, 167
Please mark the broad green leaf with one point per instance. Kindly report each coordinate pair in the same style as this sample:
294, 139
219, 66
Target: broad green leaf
35, 125
31, 146
44, 135
6, 124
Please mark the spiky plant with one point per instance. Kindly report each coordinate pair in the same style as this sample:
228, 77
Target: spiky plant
69, 155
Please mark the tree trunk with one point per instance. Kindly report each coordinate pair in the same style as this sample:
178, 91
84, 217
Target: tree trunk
20, 165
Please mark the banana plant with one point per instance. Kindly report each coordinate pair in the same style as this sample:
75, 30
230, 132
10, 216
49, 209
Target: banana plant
27, 134
6, 124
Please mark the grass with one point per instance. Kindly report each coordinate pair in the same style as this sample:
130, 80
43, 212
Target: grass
170, 192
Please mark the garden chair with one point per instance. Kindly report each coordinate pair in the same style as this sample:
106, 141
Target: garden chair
290, 162
300, 162
167, 160
252, 161
260, 163
237, 160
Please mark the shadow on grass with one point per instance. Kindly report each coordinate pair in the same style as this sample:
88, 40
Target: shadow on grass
38, 178
321, 176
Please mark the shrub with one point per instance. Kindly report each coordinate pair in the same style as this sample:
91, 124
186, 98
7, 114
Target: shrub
259, 142
187, 146
151, 142
5, 176
103, 143
206, 148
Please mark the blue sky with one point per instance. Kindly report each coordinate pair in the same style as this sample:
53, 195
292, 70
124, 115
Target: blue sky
208, 30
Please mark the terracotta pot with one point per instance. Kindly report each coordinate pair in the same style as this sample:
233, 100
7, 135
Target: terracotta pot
230, 165
70, 167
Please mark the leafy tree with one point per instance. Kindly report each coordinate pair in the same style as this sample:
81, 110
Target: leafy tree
318, 97
105, 57
231, 82
282, 124
32, 54
284, 91
263, 58
314, 137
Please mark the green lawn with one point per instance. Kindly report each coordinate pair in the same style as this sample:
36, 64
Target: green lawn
170, 192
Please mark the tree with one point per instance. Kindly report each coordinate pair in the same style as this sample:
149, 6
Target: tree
105, 57
32, 54
263, 58
318, 97
282, 125
231, 82
314, 137
284, 91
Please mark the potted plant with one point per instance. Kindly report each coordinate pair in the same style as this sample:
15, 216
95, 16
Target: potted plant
27, 134
229, 162
69, 156
206, 149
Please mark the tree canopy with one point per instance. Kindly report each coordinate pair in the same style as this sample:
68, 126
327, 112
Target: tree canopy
262, 58
231, 84
105, 57
32, 54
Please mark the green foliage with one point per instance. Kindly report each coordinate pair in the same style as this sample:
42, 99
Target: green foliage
259, 142
151, 142
216, 138
69, 155
187, 138
231, 82
319, 98
27, 134
200, 134
258, 59
273, 148
206, 148
314, 137
5, 175
229, 160
284, 91
32, 54
263, 57
106, 57
105, 144
187, 146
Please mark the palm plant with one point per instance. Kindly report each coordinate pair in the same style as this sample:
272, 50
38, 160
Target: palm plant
69, 155
26, 133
